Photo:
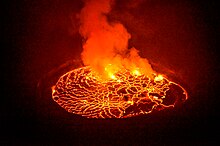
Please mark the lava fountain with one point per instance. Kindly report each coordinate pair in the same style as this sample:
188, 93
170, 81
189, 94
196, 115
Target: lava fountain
115, 82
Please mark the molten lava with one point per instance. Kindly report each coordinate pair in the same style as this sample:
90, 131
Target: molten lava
124, 94
116, 82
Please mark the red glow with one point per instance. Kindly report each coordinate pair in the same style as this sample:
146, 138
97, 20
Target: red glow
124, 94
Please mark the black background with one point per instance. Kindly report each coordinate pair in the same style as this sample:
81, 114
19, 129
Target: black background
38, 36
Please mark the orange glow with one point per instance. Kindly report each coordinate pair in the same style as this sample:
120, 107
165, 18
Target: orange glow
115, 81
158, 78
136, 72
106, 43
81, 92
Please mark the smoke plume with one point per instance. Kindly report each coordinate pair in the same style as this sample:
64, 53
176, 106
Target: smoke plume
106, 43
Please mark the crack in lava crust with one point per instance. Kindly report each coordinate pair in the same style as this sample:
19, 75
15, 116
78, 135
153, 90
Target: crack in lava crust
82, 92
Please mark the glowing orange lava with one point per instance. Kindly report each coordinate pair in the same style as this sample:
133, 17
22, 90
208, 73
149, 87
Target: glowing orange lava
125, 94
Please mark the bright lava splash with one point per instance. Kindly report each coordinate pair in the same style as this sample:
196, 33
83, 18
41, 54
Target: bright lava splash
125, 94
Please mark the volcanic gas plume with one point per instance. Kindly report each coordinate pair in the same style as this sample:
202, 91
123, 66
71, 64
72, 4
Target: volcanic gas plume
107, 42
115, 81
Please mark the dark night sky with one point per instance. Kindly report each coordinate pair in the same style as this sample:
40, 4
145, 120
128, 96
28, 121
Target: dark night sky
38, 36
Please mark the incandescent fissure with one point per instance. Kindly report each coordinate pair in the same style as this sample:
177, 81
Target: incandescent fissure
115, 81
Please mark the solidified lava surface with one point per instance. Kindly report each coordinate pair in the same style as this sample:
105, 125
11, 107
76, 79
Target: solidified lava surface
82, 92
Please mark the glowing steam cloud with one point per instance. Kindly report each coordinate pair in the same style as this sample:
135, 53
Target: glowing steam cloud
106, 43
115, 81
